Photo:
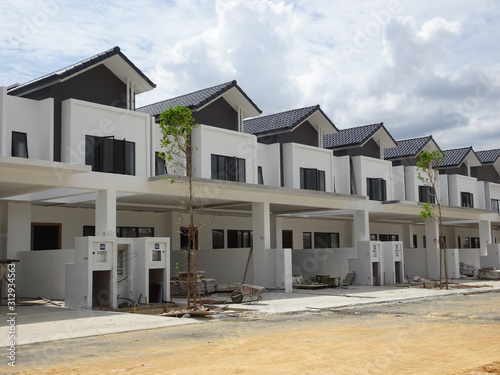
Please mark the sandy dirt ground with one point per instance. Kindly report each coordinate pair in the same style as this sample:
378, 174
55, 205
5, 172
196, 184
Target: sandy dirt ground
454, 335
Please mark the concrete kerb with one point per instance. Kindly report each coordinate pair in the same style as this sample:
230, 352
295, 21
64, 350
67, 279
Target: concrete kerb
50, 323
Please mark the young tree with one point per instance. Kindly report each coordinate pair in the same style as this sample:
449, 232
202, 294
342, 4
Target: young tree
176, 126
428, 173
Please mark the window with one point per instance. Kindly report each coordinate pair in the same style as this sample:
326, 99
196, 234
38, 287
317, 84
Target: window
228, 168
495, 206
217, 238
388, 237
184, 239
312, 179
19, 145
376, 189
239, 238
160, 166
260, 175
475, 243
106, 154
287, 239
129, 232
425, 194
46, 236
373, 237
467, 199
306, 240
326, 240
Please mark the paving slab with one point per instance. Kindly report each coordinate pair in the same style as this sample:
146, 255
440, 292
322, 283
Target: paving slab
35, 324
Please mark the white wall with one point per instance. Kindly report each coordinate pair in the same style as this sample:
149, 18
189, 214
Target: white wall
398, 183
33, 117
457, 184
365, 167
42, 273
73, 220
296, 156
415, 261
311, 262
80, 118
208, 140
226, 266
342, 168
470, 256
301, 225
268, 157
486, 192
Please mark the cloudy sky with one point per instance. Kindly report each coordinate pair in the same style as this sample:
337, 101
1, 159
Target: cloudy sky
421, 67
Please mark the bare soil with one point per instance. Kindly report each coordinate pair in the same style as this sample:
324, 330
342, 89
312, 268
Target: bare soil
454, 335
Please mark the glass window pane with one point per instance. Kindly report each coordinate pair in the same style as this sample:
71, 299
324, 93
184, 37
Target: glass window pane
306, 240
214, 165
260, 176
106, 151
321, 181
160, 167
130, 158
19, 145
217, 238
241, 170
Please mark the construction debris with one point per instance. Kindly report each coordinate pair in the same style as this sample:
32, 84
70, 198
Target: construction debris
489, 273
204, 286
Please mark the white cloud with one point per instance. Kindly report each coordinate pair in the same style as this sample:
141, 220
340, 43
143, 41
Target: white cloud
419, 67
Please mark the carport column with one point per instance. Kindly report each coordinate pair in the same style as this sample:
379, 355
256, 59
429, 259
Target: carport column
408, 236
432, 250
261, 241
18, 228
279, 232
484, 236
105, 213
361, 228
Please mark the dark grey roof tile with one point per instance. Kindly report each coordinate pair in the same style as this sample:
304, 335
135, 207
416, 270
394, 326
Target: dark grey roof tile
455, 157
407, 148
350, 137
488, 156
193, 100
280, 121
73, 69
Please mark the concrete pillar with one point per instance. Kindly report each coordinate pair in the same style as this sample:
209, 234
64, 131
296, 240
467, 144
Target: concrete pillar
432, 235
261, 241
105, 213
279, 232
484, 236
18, 228
287, 259
3, 122
361, 230
3, 229
408, 236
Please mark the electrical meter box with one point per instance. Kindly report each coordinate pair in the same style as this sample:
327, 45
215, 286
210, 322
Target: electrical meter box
153, 268
367, 264
393, 263
91, 280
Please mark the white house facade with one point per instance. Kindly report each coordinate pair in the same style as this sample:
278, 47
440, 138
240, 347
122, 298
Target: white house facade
88, 209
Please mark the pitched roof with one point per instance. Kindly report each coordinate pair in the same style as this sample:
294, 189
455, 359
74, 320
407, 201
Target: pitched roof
194, 100
287, 120
455, 157
488, 156
61, 74
351, 137
407, 148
